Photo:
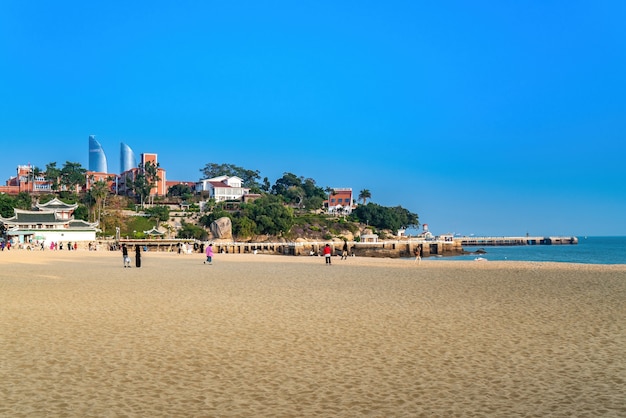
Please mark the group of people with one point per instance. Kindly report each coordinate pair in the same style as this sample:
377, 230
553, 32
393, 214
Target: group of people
328, 252
126, 257
184, 248
39, 244
59, 246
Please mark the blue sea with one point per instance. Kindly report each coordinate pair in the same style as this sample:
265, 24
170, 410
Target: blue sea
589, 250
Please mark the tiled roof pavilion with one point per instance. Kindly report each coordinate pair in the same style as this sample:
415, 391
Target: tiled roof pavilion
52, 220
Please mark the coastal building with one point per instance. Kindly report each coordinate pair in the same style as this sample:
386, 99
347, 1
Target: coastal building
32, 180
97, 158
223, 188
128, 161
340, 201
48, 222
127, 177
28, 179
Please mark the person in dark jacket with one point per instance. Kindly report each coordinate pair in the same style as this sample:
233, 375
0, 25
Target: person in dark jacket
137, 256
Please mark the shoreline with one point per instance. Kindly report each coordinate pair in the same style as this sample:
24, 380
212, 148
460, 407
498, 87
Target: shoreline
26, 256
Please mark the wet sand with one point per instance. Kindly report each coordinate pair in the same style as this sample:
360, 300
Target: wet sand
280, 336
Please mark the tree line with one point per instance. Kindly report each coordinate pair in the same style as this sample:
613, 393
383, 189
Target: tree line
279, 205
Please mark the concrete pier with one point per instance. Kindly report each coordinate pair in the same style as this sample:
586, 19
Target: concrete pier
506, 241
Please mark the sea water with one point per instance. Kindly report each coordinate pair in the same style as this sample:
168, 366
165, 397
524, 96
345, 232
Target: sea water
589, 250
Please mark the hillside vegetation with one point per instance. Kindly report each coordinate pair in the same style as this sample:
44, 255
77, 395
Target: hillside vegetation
293, 208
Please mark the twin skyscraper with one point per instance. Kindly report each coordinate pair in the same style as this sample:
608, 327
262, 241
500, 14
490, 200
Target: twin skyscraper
98, 159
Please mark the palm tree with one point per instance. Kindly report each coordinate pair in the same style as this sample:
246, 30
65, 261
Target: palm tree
99, 191
364, 195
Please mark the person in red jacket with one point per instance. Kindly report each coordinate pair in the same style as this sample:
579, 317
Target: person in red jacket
327, 254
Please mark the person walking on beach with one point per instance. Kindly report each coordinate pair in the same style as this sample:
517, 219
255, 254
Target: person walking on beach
418, 254
209, 254
137, 256
327, 254
344, 251
125, 256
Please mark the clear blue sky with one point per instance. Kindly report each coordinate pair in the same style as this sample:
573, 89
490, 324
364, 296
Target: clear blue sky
483, 117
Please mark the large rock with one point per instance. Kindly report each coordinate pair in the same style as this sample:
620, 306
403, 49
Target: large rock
222, 228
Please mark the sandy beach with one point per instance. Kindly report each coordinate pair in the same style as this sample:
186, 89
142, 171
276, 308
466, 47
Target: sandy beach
281, 336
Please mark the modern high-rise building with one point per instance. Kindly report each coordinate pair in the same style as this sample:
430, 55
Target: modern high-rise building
128, 161
97, 158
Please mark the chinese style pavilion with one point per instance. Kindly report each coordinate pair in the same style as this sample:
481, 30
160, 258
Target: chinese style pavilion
48, 222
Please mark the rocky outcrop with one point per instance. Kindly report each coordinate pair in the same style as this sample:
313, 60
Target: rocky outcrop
222, 228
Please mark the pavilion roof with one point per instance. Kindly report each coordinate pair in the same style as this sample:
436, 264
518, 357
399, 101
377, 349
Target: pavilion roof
56, 204
32, 217
80, 224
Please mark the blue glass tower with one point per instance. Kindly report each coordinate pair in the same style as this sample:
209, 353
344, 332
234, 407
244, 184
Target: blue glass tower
128, 160
97, 159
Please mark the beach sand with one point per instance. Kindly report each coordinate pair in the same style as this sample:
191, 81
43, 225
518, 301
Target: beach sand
280, 336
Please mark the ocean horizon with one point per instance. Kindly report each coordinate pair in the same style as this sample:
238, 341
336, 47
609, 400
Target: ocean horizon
589, 250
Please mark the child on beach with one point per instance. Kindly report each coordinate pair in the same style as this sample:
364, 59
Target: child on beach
209, 254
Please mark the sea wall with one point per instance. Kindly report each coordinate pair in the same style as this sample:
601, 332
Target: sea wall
389, 249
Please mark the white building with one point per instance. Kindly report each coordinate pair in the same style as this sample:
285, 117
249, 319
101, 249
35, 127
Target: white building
49, 222
223, 188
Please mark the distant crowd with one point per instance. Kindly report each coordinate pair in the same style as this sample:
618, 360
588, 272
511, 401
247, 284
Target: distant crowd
41, 245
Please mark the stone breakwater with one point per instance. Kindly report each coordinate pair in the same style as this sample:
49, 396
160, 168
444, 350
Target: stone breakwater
388, 249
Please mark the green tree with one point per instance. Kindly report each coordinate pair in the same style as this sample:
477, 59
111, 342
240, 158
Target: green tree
269, 214
158, 213
37, 172
81, 213
7, 203
406, 218
192, 231
266, 186
313, 203
218, 212
286, 182
72, 175
151, 171
140, 187
98, 192
144, 182
249, 177
23, 200
180, 190
299, 191
385, 218
243, 227
364, 195
53, 174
